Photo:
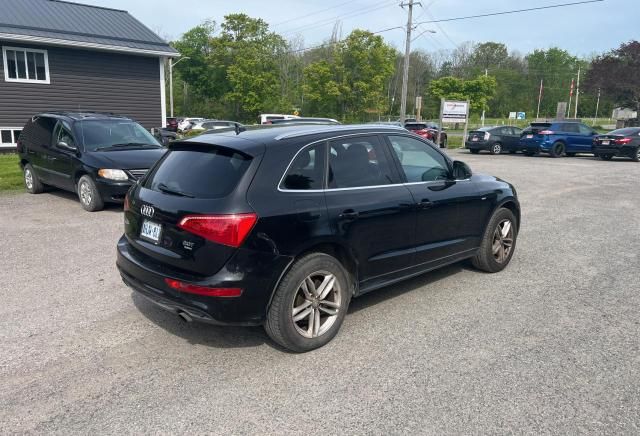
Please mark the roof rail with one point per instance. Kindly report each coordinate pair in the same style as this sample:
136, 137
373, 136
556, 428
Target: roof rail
333, 128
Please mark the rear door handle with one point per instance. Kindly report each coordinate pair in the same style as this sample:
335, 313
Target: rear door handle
424, 204
349, 215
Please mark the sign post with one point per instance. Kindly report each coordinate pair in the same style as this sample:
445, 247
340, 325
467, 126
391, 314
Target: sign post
418, 108
454, 112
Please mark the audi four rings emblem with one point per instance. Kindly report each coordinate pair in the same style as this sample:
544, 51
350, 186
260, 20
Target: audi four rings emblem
147, 210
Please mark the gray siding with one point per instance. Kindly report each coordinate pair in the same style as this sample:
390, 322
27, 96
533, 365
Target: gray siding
86, 80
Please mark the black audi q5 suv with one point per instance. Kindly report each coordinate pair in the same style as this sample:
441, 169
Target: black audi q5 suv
283, 226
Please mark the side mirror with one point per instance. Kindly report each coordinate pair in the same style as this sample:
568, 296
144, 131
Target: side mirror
64, 146
461, 170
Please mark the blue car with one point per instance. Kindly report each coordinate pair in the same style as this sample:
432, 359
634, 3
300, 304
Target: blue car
557, 138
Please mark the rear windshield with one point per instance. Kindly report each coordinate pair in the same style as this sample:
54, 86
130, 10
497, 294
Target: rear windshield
415, 126
628, 131
210, 173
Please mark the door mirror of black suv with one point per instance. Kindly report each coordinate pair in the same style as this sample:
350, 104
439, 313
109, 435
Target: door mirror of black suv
64, 146
461, 170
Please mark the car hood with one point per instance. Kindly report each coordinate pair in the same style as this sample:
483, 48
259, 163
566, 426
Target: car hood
136, 158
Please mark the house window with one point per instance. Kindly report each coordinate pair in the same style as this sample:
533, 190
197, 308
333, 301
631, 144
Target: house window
9, 136
25, 65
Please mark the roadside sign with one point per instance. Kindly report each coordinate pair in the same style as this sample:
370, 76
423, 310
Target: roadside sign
521, 116
512, 115
455, 111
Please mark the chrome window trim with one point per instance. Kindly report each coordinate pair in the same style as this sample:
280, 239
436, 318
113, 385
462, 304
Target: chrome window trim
327, 140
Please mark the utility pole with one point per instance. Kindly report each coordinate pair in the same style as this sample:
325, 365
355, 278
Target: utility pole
597, 107
575, 113
486, 72
407, 53
539, 99
570, 97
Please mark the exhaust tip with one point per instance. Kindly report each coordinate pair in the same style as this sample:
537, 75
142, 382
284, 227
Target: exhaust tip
185, 316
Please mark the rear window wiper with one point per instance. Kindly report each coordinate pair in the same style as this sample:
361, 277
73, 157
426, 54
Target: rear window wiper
164, 188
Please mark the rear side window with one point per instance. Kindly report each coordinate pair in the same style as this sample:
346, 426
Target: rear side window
358, 162
211, 173
38, 132
307, 169
569, 128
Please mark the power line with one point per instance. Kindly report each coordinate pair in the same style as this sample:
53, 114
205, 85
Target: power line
352, 14
311, 14
515, 11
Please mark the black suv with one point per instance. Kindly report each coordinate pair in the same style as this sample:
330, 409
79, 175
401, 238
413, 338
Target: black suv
98, 156
283, 226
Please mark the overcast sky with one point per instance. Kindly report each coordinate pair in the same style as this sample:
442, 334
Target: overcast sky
581, 29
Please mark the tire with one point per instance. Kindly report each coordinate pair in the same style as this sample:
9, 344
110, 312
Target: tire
488, 259
636, 156
32, 183
89, 195
570, 154
300, 335
557, 149
474, 150
606, 156
443, 142
496, 148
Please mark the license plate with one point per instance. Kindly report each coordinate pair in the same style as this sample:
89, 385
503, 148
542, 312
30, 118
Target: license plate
475, 138
605, 142
529, 136
151, 231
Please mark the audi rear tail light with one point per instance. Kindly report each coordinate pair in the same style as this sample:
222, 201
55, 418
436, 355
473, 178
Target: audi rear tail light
228, 230
190, 288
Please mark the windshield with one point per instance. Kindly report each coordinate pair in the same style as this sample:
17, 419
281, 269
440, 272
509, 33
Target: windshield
95, 134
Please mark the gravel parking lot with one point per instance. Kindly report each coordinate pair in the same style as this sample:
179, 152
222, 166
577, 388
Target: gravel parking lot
550, 345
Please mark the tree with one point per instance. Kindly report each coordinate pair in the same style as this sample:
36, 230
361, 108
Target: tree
617, 74
478, 91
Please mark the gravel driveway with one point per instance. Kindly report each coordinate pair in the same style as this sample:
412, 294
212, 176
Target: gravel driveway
550, 345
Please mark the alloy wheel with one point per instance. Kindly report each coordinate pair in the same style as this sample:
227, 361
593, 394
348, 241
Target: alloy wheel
28, 178
497, 148
85, 193
502, 241
638, 154
316, 304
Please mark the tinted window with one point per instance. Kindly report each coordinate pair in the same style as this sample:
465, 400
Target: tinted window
39, 132
628, 131
307, 169
211, 173
63, 134
584, 130
415, 126
359, 161
516, 130
96, 134
420, 162
569, 128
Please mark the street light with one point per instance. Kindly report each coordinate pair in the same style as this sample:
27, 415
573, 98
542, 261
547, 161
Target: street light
171, 65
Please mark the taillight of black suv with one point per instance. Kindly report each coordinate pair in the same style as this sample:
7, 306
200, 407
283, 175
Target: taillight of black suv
283, 226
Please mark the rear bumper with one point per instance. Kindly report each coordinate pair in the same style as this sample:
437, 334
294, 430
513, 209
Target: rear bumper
256, 273
615, 151
477, 145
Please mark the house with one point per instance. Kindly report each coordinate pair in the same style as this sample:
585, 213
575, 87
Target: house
59, 55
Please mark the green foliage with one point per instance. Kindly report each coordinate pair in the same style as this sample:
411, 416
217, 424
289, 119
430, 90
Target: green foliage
351, 81
10, 173
478, 91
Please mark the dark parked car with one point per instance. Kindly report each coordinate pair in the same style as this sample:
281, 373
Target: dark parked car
172, 124
164, 136
495, 139
283, 226
619, 143
98, 156
557, 138
428, 131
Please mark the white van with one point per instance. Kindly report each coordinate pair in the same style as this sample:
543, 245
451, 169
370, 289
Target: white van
267, 118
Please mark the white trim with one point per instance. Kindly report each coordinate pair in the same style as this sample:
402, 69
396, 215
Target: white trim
163, 93
47, 80
82, 44
14, 139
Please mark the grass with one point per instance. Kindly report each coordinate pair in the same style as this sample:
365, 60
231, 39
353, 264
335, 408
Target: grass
10, 173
